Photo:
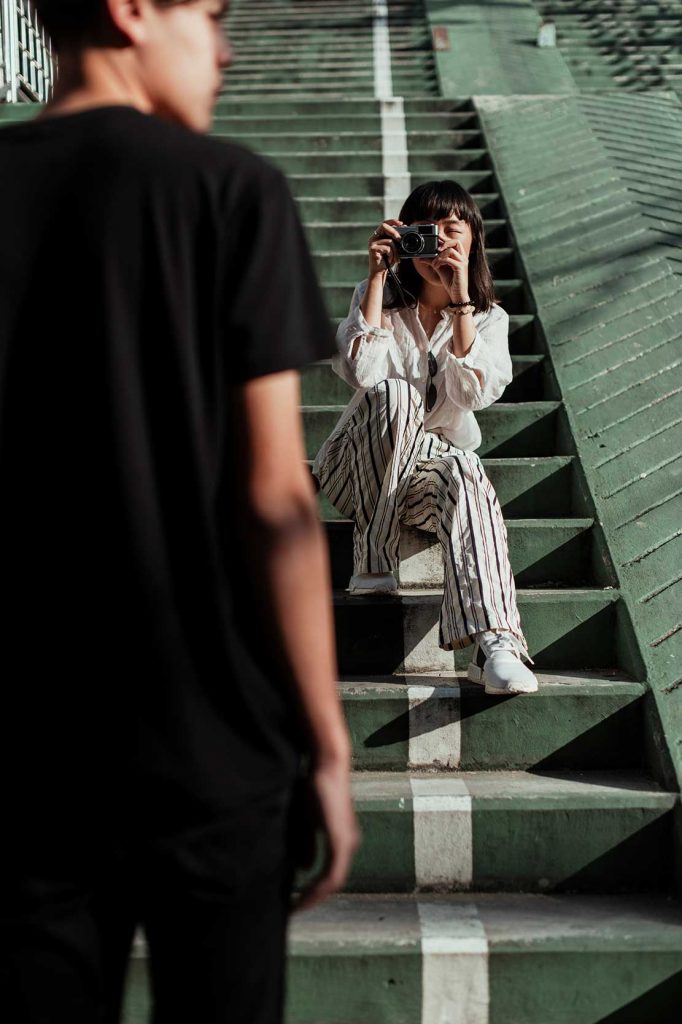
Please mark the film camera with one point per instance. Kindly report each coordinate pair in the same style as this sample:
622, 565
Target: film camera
417, 240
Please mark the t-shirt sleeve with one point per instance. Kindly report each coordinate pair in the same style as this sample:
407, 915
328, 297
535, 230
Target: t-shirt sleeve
272, 313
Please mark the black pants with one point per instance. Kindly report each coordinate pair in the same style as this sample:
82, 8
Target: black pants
213, 903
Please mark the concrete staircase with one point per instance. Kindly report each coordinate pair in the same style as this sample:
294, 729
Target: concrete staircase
508, 844
620, 43
322, 46
517, 856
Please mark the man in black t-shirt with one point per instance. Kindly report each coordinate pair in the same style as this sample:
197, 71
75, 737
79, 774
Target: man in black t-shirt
171, 733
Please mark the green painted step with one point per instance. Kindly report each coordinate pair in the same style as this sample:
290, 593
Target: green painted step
333, 185
441, 721
524, 338
512, 293
260, 106
337, 210
339, 263
524, 429
320, 385
356, 141
370, 162
285, 122
543, 552
361, 184
447, 163
569, 628
354, 234
438, 105
579, 831
525, 487
511, 958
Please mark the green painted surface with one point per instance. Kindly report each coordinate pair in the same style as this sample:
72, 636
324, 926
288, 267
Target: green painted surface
571, 722
606, 282
507, 429
530, 832
572, 628
585, 986
492, 50
524, 486
543, 553
624, 44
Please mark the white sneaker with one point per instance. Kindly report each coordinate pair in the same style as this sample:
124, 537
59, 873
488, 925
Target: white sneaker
496, 662
373, 583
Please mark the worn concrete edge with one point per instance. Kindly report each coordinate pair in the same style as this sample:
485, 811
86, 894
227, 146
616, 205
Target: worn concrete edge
662, 711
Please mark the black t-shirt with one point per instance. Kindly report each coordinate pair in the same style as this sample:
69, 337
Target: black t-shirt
145, 271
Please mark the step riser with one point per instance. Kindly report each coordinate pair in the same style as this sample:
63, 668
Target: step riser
534, 487
501, 980
400, 634
557, 552
513, 296
361, 141
461, 844
320, 385
334, 266
361, 185
339, 235
507, 430
367, 163
428, 723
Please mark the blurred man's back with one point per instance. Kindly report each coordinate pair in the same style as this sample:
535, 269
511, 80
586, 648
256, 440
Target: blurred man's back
131, 300
150, 736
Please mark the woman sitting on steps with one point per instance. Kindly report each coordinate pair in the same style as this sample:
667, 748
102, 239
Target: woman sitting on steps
424, 349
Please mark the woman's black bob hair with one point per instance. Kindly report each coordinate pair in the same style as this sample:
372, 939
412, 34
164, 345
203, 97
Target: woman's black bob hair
432, 201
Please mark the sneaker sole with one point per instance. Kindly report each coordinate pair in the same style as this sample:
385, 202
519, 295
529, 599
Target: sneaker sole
475, 675
377, 591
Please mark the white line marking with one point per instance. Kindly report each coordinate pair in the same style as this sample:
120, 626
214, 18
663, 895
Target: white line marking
455, 987
443, 834
393, 133
435, 726
383, 80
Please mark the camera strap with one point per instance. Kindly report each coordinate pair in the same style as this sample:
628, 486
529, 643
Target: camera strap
402, 291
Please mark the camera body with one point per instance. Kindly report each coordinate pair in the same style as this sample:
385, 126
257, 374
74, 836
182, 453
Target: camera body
420, 240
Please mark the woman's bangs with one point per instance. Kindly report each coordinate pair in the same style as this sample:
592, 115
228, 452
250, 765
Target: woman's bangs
439, 208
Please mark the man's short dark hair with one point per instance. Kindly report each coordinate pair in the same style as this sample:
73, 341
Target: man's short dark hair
76, 22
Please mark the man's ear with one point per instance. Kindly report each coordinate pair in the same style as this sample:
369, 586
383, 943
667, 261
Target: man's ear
126, 21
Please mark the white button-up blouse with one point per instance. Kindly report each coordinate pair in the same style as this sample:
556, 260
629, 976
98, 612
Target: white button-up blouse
400, 347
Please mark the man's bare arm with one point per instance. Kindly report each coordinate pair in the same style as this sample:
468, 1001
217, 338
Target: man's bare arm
287, 548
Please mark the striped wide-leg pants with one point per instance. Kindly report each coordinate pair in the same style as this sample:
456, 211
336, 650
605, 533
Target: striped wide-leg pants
383, 470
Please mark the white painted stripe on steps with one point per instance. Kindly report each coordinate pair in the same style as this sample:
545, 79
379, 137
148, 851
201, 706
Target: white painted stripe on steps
394, 155
454, 947
443, 832
393, 133
383, 79
435, 736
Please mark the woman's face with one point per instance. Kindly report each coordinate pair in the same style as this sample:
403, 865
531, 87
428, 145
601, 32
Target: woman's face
450, 229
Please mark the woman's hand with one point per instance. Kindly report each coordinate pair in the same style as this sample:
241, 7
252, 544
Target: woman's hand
380, 244
452, 266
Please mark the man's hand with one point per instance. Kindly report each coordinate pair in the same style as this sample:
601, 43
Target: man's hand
327, 804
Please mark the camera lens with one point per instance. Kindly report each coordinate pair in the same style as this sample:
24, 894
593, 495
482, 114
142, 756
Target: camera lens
412, 243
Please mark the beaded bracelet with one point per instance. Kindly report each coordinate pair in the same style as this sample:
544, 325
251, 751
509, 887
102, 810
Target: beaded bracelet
464, 308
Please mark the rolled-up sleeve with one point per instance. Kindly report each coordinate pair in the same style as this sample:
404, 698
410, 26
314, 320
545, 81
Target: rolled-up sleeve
489, 354
372, 361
